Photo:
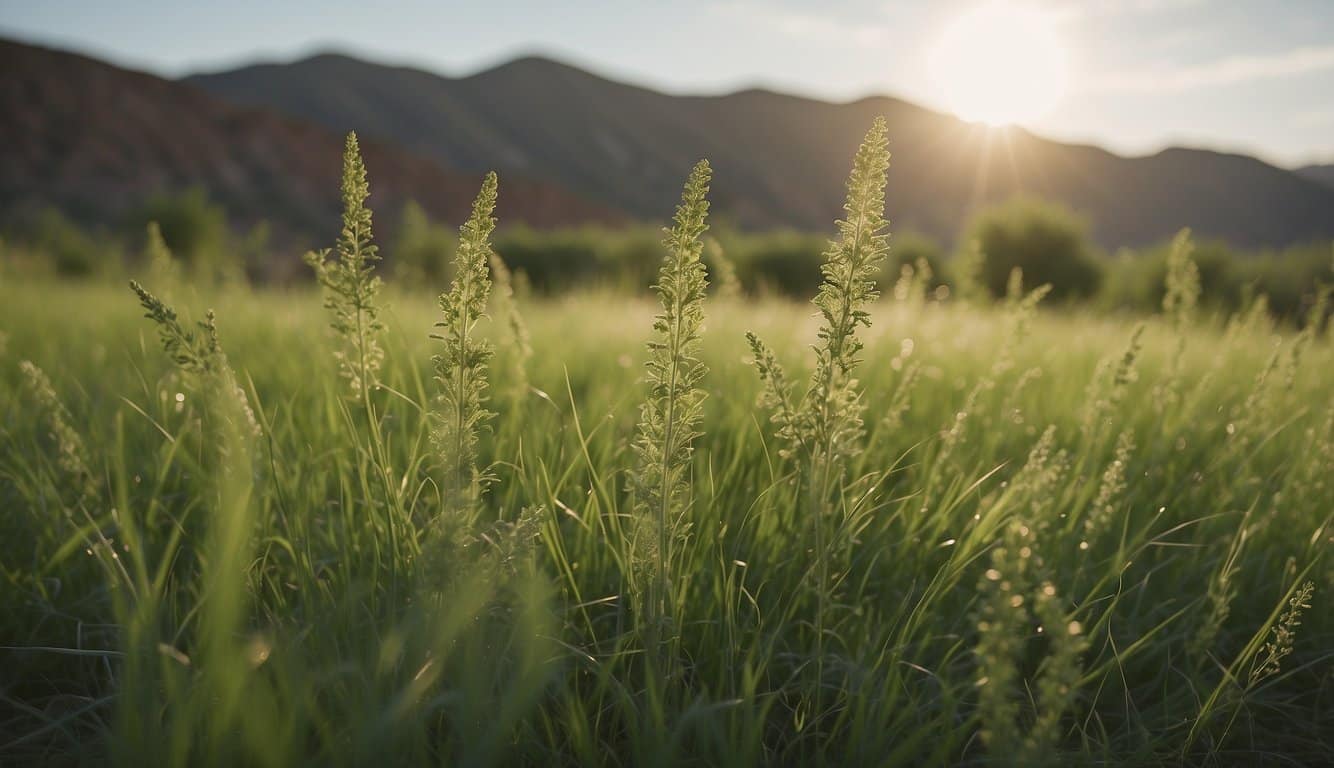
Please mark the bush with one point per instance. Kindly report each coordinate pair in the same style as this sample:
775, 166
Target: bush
905, 250
68, 249
1047, 241
552, 260
784, 262
194, 229
423, 250
1290, 278
1136, 280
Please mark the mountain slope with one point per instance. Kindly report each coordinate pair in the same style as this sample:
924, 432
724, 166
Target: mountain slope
778, 159
96, 140
1322, 174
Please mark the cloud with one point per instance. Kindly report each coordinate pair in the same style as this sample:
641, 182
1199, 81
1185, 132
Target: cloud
1231, 70
809, 26
1127, 7
1317, 118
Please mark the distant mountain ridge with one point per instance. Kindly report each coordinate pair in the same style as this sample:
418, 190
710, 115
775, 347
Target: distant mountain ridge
1323, 174
95, 140
779, 160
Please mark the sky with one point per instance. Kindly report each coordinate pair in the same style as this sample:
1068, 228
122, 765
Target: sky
1236, 75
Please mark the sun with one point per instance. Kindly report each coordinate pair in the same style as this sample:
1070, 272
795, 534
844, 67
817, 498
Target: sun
1000, 63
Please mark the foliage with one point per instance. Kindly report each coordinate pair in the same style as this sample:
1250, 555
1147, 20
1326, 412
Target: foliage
1048, 242
422, 249
669, 419
193, 227
349, 282
460, 367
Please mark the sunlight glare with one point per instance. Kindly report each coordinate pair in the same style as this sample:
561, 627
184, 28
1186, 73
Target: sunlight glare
1000, 63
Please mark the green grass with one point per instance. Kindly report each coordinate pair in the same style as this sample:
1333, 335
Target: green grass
519, 643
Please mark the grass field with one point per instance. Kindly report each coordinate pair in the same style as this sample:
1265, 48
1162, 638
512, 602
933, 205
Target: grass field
1064, 538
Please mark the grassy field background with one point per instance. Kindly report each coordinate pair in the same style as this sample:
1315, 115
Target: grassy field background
1100, 592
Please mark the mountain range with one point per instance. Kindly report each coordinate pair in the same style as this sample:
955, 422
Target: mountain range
1323, 174
574, 147
779, 160
95, 141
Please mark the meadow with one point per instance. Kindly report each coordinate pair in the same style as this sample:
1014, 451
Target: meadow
880, 531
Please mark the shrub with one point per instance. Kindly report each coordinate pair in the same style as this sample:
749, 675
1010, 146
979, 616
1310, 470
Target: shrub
786, 262
193, 227
422, 252
552, 260
1290, 278
906, 249
1047, 241
72, 252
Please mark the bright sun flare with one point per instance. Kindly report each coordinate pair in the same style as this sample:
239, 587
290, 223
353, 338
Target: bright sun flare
1000, 63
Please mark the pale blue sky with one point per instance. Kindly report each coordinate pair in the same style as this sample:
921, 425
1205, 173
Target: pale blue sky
1242, 75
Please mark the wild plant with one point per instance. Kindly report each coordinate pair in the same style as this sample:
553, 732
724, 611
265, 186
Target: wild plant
1260, 660
669, 419
1020, 307
968, 286
1015, 597
1318, 314
350, 285
71, 454
230, 432
1038, 483
162, 267
901, 400
1014, 396
74, 465
1182, 292
1221, 592
351, 291
1284, 637
826, 423
914, 282
1253, 318
1002, 626
1248, 422
1058, 679
1109, 386
516, 347
198, 353
1110, 489
1180, 297
727, 284
1311, 479
1306, 337
461, 366
824, 429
